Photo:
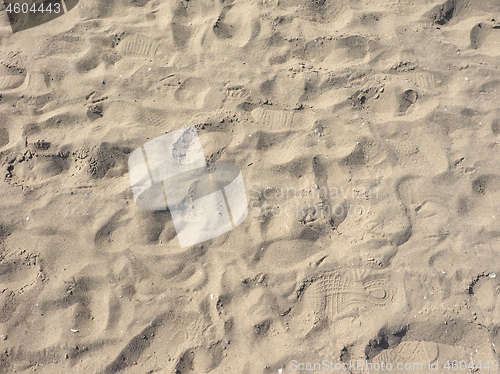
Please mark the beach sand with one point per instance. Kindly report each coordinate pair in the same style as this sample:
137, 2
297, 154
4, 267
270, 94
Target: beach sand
367, 137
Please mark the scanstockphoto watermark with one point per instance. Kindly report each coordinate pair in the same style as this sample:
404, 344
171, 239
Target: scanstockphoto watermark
309, 202
362, 365
435, 366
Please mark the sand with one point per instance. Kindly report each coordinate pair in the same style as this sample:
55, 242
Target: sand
367, 134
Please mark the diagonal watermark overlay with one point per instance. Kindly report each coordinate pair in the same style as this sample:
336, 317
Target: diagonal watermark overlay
170, 172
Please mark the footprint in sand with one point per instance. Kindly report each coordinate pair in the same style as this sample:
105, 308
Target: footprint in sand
352, 48
277, 119
4, 137
400, 100
196, 93
285, 89
485, 37
314, 10
5, 28
421, 79
392, 6
35, 167
406, 100
428, 211
342, 298
327, 50
424, 79
19, 272
11, 78
486, 184
133, 114
19, 82
452, 11
65, 44
10, 137
273, 119
369, 153
181, 30
416, 357
139, 46
495, 126
92, 9
237, 24
105, 160
337, 294
413, 352
485, 297
192, 91
445, 12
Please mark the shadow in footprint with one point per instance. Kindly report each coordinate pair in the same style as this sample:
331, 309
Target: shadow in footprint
408, 99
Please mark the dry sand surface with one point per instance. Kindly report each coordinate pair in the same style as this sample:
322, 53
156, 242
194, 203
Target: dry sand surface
367, 133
